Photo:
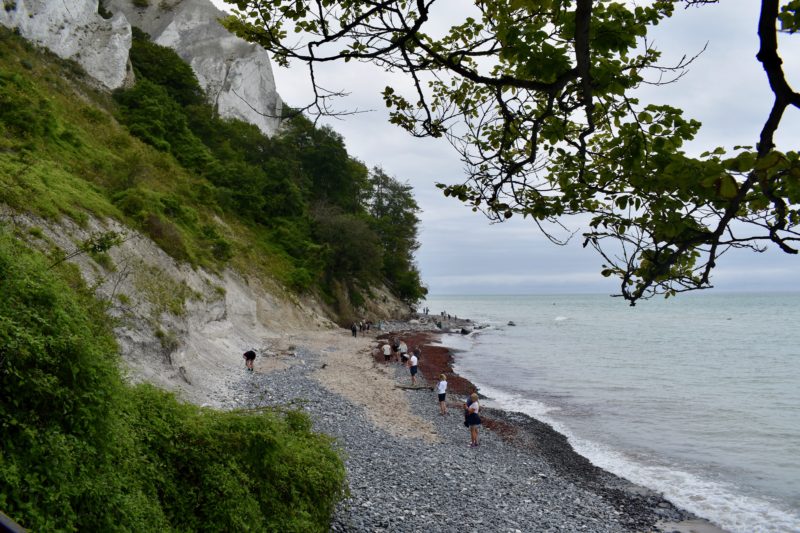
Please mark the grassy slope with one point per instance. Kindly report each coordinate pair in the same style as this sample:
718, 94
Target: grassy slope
63, 154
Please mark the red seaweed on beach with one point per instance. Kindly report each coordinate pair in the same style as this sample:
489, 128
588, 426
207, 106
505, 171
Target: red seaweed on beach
434, 361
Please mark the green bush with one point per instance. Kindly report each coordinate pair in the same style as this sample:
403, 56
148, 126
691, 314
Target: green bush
231, 471
301, 280
152, 115
167, 236
220, 247
58, 377
23, 110
161, 65
82, 451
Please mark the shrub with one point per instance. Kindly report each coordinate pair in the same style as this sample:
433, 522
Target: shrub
167, 236
82, 451
301, 280
136, 202
103, 11
152, 115
162, 66
23, 110
356, 298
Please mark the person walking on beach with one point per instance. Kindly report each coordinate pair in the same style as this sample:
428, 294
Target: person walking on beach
441, 390
387, 352
403, 347
412, 366
473, 418
249, 357
354, 329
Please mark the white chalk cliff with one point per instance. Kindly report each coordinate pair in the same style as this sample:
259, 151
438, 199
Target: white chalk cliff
74, 30
236, 75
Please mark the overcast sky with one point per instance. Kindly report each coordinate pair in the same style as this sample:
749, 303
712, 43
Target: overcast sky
462, 253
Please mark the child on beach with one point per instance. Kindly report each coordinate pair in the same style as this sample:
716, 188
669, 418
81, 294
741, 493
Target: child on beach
473, 420
412, 366
387, 352
441, 389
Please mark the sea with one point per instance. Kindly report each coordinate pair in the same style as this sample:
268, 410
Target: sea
696, 397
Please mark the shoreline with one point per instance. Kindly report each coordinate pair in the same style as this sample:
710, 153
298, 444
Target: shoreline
651, 510
410, 469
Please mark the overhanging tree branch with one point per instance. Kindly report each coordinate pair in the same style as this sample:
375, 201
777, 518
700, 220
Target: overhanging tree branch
538, 99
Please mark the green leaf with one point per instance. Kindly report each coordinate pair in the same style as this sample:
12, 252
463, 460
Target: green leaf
768, 161
728, 186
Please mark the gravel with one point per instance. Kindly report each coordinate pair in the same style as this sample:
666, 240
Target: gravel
529, 480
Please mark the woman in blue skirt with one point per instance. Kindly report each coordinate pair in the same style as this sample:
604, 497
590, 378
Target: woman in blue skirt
473, 418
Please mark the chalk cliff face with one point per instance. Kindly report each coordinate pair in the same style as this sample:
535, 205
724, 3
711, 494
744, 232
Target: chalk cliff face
198, 350
74, 30
236, 75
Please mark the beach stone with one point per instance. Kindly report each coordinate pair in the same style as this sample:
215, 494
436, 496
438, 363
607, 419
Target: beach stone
533, 482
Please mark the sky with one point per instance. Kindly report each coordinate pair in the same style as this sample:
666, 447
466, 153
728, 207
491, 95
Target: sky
462, 253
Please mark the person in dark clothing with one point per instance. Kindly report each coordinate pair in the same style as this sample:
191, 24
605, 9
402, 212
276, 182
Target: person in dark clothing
354, 329
249, 357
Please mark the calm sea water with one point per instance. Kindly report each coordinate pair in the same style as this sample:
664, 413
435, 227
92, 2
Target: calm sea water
697, 397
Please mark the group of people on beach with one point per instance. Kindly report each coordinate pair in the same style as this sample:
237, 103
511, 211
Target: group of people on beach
361, 325
397, 350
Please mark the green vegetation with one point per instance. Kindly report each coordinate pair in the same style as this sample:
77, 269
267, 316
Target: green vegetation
82, 451
300, 189
208, 191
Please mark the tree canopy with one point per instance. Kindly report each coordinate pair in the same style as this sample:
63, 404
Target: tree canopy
315, 201
538, 97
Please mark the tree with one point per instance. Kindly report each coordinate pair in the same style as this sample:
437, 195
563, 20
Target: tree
333, 176
164, 67
393, 211
354, 252
536, 95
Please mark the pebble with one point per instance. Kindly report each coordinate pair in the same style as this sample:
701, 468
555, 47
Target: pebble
406, 485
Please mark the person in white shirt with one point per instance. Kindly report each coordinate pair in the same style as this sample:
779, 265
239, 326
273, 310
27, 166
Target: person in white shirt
412, 366
403, 352
387, 352
441, 390
473, 418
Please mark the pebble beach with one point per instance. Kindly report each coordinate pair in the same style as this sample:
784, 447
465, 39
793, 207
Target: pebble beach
411, 469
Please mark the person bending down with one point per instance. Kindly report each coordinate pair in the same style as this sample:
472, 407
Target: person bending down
249, 357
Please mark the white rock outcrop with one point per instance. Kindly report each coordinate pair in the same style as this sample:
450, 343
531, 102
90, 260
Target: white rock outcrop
73, 29
236, 75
